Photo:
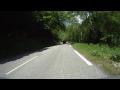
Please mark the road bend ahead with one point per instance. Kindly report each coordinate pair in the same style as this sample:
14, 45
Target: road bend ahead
56, 62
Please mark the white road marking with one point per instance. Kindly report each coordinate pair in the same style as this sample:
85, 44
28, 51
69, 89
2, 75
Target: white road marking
70, 46
21, 65
83, 58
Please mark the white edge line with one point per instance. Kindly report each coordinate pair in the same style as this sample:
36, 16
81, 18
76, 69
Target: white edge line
70, 46
21, 65
83, 58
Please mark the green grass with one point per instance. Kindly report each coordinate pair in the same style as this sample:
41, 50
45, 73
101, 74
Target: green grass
104, 56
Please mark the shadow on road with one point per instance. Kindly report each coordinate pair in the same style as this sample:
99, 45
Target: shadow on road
3, 78
13, 58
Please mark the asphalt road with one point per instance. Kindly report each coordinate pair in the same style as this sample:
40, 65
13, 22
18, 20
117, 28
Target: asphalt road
56, 62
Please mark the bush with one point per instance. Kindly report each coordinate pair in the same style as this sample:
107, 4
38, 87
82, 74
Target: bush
115, 57
106, 57
103, 51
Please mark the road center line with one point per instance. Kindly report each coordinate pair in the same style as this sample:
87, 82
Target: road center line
83, 58
21, 65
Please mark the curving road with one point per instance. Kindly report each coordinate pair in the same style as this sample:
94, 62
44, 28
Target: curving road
56, 62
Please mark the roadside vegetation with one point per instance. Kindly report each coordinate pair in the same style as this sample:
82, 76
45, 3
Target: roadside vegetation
14, 48
107, 58
27, 31
97, 37
97, 33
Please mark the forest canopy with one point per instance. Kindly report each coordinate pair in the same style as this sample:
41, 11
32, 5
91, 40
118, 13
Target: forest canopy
19, 27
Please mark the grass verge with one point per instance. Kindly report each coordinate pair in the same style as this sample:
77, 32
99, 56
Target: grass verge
105, 57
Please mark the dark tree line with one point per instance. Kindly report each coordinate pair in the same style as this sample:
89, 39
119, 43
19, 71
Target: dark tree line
17, 28
20, 25
22, 31
97, 27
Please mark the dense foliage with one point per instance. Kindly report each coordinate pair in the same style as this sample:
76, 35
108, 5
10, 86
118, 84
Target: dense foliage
97, 27
22, 31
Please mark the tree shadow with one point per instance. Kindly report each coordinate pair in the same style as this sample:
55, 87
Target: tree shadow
16, 57
4, 78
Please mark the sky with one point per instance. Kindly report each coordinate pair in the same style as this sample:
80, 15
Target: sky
79, 19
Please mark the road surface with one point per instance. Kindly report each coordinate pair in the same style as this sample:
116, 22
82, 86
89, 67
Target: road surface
55, 62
